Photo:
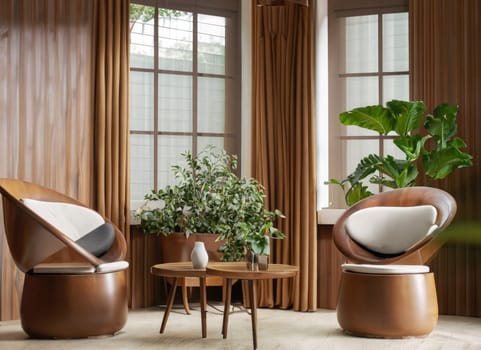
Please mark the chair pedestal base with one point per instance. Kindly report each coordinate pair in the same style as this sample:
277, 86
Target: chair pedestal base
387, 306
73, 306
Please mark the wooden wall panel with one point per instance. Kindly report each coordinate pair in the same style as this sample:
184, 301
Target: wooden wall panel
329, 261
457, 270
145, 289
445, 39
45, 107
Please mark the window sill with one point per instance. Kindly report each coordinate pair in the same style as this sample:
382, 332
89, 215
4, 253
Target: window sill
329, 216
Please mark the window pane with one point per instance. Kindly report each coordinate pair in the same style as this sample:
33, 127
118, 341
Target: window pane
395, 42
170, 149
141, 101
175, 40
395, 87
175, 103
141, 165
141, 36
211, 105
361, 44
204, 141
361, 91
211, 46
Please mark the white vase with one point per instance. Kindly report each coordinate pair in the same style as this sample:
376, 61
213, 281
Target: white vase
199, 256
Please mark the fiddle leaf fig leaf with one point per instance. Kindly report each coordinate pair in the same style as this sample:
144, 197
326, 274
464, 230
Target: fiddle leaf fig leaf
375, 118
411, 145
356, 193
409, 115
407, 177
442, 124
441, 162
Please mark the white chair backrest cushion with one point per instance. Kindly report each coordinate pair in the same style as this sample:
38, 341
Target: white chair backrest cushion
74, 221
391, 230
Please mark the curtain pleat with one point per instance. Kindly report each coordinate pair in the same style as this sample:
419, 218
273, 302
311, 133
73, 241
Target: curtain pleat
45, 108
283, 150
445, 49
111, 115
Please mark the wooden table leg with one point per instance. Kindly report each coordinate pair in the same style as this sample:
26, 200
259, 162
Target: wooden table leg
170, 302
253, 301
185, 299
228, 294
203, 306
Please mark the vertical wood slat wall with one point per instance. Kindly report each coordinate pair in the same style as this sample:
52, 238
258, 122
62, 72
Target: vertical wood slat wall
329, 261
145, 289
445, 61
45, 108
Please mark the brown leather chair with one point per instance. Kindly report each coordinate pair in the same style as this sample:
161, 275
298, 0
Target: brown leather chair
391, 295
68, 292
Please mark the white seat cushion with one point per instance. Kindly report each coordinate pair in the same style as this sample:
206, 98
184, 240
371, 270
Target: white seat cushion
385, 269
74, 221
112, 266
391, 230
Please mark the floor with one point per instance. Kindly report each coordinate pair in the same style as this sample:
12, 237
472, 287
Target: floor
277, 329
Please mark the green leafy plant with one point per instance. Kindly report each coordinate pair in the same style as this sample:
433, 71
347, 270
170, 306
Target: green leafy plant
147, 13
208, 197
429, 138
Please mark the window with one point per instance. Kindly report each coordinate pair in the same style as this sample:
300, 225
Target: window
368, 64
184, 85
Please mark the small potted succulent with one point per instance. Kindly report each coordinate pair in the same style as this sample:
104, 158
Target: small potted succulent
209, 198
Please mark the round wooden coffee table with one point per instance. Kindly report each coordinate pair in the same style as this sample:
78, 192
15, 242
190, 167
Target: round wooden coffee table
179, 270
239, 271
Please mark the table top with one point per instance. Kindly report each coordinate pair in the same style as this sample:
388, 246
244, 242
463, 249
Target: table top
177, 269
237, 270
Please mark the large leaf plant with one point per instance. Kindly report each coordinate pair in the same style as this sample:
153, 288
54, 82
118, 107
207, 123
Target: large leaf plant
425, 140
208, 197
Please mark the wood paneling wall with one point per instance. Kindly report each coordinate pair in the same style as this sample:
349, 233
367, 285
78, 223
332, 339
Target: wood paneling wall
145, 289
329, 262
45, 108
445, 60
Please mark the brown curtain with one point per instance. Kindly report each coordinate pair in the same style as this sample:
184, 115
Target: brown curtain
111, 115
45, 108
111, 112
445, 48
283, 143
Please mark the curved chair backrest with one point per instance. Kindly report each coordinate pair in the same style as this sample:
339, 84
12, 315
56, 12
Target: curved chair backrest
32, 240
419, 253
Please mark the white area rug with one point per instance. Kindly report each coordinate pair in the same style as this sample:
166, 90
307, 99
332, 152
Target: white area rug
277, 329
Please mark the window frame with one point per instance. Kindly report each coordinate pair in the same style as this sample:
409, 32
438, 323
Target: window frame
231, 10
336, 135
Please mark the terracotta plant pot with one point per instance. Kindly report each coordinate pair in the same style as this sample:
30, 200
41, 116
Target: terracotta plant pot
176, 247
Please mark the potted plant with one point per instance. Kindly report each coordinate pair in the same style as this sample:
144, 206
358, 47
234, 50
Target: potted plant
426, 140
208, 197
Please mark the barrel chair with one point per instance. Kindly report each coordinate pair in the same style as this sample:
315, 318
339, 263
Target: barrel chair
386, 289
75, 276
